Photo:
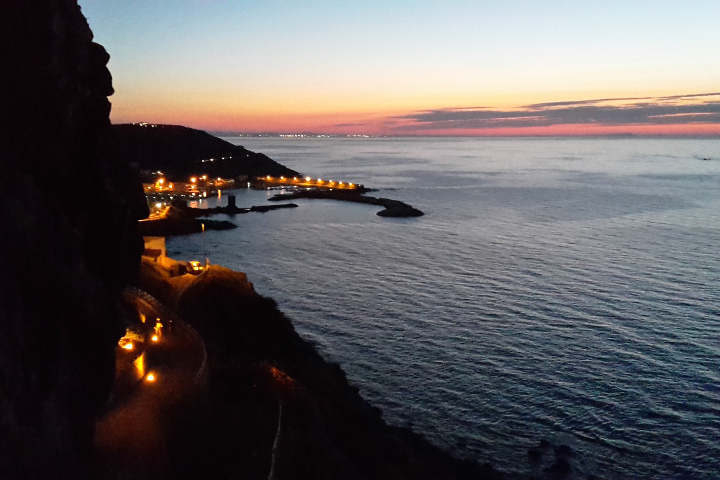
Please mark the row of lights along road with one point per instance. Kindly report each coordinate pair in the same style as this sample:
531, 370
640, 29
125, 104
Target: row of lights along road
309, 180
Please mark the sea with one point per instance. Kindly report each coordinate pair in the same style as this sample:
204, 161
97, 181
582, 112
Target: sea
557, 290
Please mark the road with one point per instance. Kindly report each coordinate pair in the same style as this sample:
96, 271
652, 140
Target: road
151, 379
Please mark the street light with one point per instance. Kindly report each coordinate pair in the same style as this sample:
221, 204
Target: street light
207, 262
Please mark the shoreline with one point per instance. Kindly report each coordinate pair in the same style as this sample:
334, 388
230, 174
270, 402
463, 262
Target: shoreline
328, 429
180, 219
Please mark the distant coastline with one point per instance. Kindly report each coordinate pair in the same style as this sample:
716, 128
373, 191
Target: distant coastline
221, 134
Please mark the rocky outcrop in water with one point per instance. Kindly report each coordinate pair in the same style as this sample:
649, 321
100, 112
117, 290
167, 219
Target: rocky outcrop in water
392, 208
68, 238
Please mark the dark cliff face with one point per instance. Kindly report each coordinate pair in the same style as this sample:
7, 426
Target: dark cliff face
67, 236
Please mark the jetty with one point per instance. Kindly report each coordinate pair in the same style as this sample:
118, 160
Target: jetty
392, 208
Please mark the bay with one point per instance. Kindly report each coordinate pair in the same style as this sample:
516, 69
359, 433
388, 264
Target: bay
556, 288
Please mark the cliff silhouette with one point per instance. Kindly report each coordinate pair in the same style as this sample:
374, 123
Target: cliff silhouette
68, 235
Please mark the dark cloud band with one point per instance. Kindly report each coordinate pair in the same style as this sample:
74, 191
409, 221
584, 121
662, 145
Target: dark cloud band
677, 109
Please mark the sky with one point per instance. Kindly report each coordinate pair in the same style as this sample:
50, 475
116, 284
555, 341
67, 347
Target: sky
401, 67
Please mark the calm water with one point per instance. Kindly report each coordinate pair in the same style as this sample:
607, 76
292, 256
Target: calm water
556, 289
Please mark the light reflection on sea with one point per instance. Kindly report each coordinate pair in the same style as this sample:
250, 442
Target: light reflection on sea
555, 289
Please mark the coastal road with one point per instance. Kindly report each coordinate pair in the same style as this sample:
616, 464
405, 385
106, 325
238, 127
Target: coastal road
164, 366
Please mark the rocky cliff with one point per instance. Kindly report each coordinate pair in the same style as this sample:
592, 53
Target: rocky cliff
68, 238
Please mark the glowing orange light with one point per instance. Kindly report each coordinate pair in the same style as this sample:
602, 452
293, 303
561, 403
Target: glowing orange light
307, 179
170, 186
269, 177
150, 377
126, 342
282, 178
140, 365
193, 179
155, 338
204, 177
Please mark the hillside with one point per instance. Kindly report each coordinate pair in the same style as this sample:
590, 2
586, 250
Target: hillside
179, 152
271, 402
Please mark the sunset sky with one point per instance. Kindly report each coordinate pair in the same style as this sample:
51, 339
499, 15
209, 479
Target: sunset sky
499, 67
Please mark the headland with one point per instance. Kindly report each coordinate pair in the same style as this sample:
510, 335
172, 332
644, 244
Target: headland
175, 161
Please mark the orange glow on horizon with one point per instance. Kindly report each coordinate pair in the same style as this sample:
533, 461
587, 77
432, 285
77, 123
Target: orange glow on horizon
364, 126
375, 118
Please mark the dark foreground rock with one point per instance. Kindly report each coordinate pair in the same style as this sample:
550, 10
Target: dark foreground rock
68, 238
393, 208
